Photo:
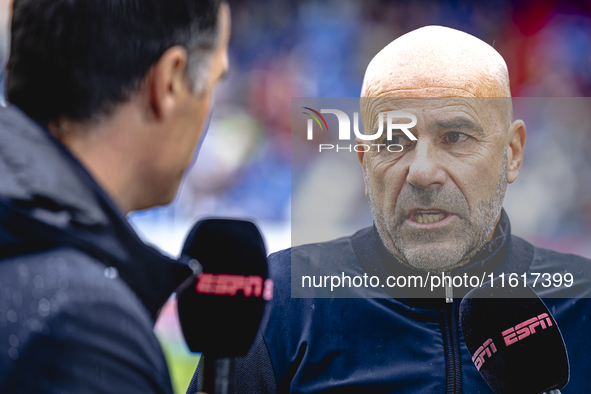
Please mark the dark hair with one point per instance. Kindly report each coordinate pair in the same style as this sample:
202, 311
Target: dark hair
79, 58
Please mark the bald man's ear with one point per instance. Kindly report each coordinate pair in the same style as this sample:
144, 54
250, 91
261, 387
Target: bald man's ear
361, 158
166, 83
516, 143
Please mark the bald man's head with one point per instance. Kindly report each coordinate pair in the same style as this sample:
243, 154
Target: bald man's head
436, 61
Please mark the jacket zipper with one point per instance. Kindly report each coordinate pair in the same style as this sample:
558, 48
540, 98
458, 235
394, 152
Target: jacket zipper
451, 343
449, 292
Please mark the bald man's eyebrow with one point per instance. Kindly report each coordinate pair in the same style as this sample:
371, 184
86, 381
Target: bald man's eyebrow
459, 123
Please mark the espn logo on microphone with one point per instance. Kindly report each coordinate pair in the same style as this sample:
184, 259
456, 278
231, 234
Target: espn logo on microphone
525, 329
487, 348
511, 336
230, 285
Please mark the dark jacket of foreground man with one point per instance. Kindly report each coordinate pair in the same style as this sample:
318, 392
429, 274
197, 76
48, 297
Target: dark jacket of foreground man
391, 341
79, 291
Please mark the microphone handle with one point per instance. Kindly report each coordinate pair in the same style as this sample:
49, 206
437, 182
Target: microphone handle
552, 392
217, 373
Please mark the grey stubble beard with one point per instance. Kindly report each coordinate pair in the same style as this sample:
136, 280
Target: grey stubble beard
471, 238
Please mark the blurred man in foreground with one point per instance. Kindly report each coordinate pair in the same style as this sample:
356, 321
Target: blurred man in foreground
108, 100
437, 208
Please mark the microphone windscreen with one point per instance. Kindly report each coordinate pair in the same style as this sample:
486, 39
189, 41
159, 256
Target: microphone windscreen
220, 309
514, 340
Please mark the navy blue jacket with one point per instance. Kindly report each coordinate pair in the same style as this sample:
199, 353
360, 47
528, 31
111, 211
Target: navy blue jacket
388, 340
79, 291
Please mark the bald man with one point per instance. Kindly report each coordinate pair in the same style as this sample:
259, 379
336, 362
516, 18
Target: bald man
437, 208
468, 148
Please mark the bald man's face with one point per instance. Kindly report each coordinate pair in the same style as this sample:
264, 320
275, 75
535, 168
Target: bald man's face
438, 201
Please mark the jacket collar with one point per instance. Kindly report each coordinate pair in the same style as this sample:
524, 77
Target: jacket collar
47, 199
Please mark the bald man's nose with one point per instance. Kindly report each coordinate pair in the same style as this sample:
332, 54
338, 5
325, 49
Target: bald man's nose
425, 170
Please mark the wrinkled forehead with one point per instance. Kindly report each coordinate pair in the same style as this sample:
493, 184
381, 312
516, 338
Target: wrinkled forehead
473, 86
434, 76
486, 113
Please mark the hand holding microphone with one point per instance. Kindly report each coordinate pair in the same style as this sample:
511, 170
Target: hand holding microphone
514, 340
220, 308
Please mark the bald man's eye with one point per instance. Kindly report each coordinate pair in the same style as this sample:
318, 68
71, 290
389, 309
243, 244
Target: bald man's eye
454, 137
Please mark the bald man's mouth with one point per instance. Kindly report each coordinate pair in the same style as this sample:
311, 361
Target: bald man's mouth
430, 215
